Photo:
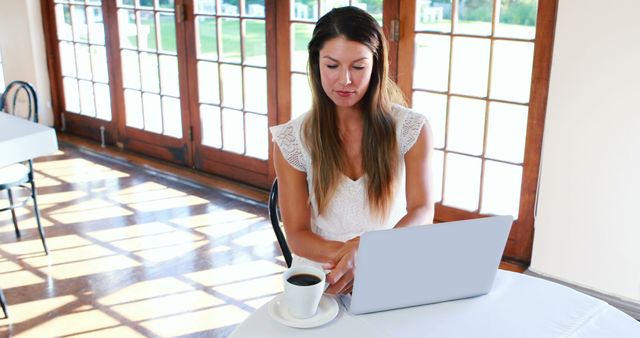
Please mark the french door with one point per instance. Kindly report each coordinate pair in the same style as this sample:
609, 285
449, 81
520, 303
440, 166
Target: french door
149, 44
198, 82
479, 69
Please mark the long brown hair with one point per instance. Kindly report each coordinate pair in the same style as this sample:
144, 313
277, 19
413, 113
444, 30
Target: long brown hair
379, 144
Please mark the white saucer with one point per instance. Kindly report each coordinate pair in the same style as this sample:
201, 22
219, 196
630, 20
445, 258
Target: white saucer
327, 310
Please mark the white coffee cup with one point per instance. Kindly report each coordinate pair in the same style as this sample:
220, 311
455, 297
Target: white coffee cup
302, 300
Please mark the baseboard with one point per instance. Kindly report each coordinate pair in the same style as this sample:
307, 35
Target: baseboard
626, 306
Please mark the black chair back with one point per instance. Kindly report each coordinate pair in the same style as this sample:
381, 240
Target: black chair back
275, 223
12, 101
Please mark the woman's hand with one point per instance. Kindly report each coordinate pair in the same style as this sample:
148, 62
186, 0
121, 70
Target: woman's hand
342, 268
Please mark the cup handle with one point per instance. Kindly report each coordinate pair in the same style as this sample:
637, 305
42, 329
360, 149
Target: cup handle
326, 284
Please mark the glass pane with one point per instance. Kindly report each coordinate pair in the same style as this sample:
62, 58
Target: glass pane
438, 166
103, 101
172, 115
67, 59
152, 113
254, 8
373, 7
501, 189
96, 25
300, 37
167, 33
257, 136
474, 17
327, 5
300, 95
130, 69
206, 6
99, 64
170, 81
466, 125
255, 43
80, 33
84, 61
255, 82
147, 4
147, 31
433, 15
233, 130
86, 98
128, 3
517, 19
230, 49
149, 72
434, 106
127, 29
207, 47
507, 131
470, 68
231, 79
208, 84
229, 7
63, 22
71, 95
133, 108
304, 10
211, 126
511, 71
431, 69
462, 182
166, 4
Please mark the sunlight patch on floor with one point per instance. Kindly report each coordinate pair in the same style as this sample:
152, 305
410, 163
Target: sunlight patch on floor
144, 192
253, 288
70, 324
167, 306
233, 273
92, 266
198, 321
91, 210
37, 309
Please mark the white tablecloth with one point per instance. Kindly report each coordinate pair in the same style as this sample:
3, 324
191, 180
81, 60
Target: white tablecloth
518, 306
21, 140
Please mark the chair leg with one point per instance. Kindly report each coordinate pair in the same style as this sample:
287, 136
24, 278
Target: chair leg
37, 212
13, 213
3, 303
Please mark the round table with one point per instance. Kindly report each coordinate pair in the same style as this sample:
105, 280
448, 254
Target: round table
518, 306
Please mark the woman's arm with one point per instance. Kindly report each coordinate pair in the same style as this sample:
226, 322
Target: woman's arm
419, 181
293, 200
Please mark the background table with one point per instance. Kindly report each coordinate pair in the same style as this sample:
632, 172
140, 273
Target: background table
518, 306
21, 140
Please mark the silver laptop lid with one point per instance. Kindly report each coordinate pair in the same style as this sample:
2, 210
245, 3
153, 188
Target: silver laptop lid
425, 264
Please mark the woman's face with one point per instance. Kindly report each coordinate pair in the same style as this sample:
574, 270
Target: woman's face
345, 70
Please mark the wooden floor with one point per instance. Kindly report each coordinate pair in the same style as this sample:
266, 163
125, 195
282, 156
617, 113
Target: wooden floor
135, 252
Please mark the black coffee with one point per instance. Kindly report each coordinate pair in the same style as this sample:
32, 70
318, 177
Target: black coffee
303, 279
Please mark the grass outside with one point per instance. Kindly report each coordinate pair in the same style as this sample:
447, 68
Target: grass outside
254, 40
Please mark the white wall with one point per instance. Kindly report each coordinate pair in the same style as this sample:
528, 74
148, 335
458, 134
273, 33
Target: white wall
23, 49
588, 225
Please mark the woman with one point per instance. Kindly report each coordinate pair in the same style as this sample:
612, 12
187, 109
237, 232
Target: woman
357, 161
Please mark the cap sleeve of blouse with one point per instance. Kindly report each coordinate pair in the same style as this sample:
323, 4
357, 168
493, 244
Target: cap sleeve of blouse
409, 125
287, 137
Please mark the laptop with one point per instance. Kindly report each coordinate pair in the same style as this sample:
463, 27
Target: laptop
426, 264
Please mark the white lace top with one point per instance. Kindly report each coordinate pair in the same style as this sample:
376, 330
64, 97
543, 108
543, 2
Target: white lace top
348, 214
